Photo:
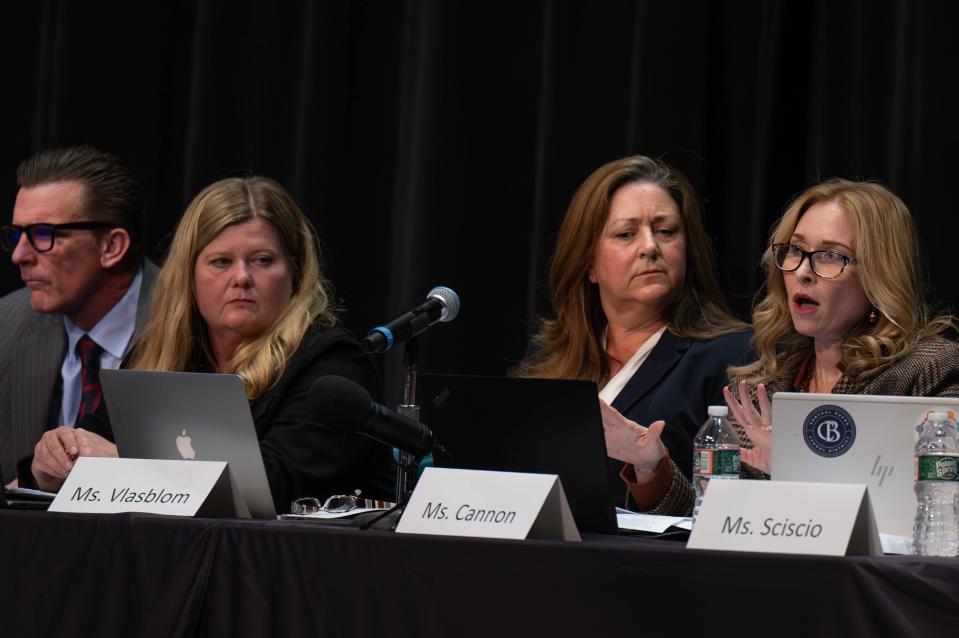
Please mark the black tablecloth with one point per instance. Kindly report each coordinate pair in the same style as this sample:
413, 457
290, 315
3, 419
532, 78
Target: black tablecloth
142, 575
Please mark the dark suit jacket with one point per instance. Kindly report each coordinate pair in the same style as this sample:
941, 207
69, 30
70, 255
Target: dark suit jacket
303, 457
32, 347
677, 382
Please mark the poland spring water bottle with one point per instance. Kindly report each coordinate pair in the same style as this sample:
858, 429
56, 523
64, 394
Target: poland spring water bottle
936, 532
715, 452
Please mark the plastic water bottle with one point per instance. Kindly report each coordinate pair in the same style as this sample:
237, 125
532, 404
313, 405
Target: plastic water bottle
715, 452
936, 532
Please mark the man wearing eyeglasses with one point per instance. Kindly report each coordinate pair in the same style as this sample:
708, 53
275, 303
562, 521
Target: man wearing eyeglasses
75, 237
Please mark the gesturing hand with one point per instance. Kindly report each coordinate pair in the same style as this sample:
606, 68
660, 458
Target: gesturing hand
632, 443
758, 425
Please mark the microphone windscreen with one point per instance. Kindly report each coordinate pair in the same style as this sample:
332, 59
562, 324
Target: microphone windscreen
339, 403
450, 301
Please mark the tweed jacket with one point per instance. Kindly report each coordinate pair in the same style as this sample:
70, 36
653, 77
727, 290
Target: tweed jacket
931, 369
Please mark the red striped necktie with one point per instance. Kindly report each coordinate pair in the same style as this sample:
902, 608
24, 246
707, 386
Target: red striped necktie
90, 394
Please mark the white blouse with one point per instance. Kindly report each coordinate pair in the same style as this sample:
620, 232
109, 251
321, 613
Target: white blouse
615, 385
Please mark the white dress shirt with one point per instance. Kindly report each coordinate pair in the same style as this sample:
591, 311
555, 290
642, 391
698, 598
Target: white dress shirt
113, 333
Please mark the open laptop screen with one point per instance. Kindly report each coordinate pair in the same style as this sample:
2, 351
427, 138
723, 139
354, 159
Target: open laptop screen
525, 425
187, 415
864, 439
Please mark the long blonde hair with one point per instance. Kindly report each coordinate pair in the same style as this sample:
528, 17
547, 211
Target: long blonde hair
176, 336
570, 346
889, 269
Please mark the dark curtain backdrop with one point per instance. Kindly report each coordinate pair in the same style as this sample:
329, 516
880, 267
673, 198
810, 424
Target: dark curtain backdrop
439, 142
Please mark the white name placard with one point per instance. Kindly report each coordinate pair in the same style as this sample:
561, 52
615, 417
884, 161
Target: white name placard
786, 517
180, 488
451, 502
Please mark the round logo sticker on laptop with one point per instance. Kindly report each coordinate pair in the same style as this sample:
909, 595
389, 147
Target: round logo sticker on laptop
829, 431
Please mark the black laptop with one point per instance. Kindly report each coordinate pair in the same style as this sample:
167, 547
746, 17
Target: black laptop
525, 425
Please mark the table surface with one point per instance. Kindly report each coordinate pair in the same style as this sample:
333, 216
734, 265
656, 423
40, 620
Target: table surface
146, 575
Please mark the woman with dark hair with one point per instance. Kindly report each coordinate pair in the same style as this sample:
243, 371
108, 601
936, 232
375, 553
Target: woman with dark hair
638, 310
242, 292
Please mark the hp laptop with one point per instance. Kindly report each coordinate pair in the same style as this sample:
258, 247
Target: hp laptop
185, 415
525, 425
836, 438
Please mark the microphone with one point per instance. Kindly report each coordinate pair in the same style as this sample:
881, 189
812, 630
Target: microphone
343, 405
442, 304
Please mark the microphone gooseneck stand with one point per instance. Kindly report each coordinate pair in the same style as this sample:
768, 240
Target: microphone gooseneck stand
407, 463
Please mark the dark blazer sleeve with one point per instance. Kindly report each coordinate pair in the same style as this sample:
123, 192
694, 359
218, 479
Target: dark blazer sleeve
678, 381
302, 456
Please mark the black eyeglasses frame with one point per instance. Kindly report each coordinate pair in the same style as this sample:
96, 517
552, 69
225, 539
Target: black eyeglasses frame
808, 254
10, 234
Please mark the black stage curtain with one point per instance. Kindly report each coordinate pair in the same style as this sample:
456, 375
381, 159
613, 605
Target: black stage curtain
438, 142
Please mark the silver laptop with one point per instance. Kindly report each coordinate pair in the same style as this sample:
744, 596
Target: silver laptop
185, 415
837, 438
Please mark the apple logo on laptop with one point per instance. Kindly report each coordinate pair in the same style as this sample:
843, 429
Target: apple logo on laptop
184, 446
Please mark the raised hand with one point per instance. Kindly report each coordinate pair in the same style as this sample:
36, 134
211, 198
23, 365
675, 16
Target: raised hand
758, 425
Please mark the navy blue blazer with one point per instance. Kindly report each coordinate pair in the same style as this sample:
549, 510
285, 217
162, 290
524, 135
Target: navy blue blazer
677, 382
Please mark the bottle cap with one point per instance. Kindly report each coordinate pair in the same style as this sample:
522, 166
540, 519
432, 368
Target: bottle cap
717, 410
938, 416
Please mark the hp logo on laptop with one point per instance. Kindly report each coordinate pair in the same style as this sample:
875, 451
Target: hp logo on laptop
829, 431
